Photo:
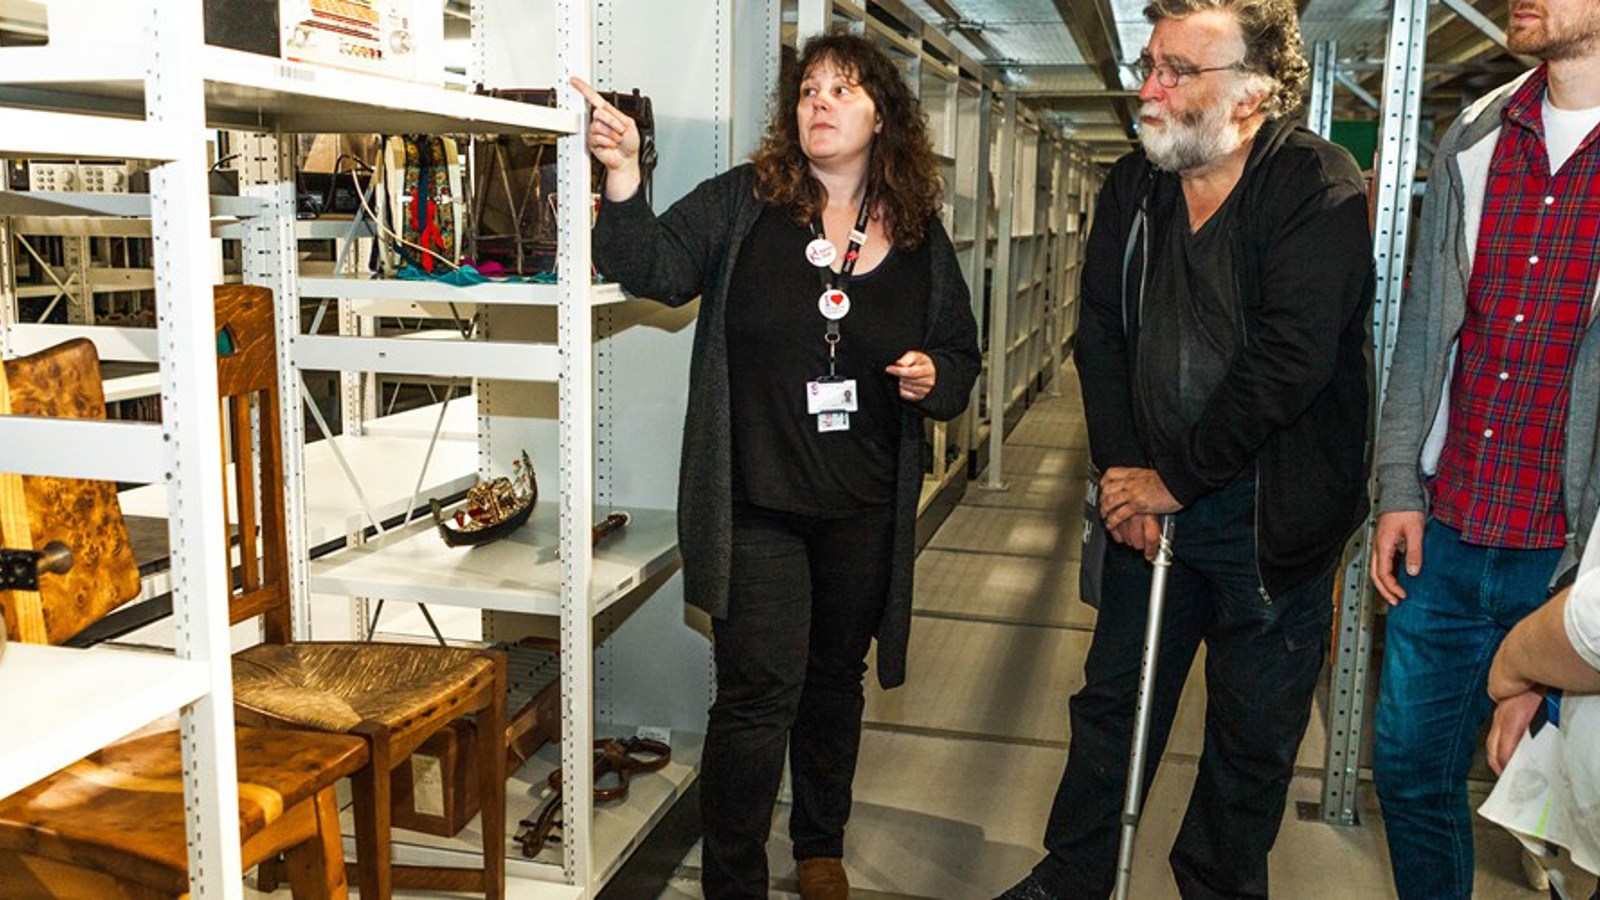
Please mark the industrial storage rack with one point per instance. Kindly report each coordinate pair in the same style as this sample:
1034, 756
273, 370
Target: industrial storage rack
606, 607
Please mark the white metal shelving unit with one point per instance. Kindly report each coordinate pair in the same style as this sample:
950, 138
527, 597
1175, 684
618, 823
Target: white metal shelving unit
594, 392
581, 374
247, 92
112, 693
939, 88
1036, 255
188, 88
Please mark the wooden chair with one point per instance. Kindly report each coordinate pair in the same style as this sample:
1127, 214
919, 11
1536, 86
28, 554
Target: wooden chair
113, 824
395, 696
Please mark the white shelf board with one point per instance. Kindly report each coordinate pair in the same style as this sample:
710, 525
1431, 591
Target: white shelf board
387, 465
129, 387
518, 573
75, 448
83, 226
55, 204
516, 293
330, 228
444, 353
111, 342
61, 704
460, 421
619, 826
37, 133
261, 93
519, 294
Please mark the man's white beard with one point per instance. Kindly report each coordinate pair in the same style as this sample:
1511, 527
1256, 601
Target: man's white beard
1184, 144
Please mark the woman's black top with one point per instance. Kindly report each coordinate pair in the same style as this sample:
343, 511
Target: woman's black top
691, 251
775, 347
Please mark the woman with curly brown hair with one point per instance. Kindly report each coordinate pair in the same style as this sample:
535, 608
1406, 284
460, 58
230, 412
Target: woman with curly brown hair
833, 319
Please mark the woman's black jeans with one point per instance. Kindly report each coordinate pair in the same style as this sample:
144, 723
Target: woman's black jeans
805, 598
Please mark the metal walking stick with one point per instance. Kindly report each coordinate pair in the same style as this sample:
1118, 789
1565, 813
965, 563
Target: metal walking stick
1134, 798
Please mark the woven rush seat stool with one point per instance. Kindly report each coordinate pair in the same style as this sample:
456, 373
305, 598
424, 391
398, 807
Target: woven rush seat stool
394, 697
112, 824
338, 685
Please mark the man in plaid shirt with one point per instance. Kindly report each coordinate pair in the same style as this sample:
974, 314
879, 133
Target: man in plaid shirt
1486, 459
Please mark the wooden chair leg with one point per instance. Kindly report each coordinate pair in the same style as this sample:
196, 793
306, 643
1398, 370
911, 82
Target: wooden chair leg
269, 874
492, 785
316, 867
370, 787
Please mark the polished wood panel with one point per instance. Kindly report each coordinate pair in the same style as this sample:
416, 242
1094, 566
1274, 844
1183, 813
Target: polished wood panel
64, 382
118, 814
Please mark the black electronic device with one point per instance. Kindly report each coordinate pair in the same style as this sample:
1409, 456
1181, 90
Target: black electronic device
248, 25
219, 182
326, 193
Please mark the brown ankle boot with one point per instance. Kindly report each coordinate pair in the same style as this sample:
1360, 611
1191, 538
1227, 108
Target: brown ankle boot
822, 878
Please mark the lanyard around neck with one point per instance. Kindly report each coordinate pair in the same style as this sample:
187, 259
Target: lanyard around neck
835, 281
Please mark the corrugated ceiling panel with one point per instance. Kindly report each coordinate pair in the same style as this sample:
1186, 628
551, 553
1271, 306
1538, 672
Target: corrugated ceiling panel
1030, 32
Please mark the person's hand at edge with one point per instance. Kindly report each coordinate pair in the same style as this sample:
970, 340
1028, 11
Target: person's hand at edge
1127, 492
1512, 716
915, 370
614, 140
1396, 532
1505, 681
1141, 532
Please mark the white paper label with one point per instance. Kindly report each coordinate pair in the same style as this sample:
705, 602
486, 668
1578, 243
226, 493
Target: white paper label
427, 785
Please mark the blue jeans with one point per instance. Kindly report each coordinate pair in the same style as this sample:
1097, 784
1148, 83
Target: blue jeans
1433, 701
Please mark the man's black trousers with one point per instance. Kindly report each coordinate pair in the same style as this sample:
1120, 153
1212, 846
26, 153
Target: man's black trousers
1263, 658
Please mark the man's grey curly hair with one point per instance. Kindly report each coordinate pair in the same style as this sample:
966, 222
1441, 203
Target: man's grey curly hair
1271, 30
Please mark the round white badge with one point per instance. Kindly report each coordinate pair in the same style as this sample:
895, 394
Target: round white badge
834, 305
821, 252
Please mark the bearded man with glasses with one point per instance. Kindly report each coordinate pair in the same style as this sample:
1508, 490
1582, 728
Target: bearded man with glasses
1225, 355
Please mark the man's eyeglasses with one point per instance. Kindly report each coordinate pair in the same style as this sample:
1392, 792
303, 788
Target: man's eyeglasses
1170, 75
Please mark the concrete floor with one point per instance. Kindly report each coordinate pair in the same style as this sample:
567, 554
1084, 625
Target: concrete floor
958, 767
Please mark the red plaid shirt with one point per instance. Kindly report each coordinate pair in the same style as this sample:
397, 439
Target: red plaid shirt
1528, 304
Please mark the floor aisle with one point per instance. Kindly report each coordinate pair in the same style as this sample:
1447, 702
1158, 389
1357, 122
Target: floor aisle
959, 766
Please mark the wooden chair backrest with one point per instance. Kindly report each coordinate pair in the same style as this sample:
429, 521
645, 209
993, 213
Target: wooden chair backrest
247, 385
63, 381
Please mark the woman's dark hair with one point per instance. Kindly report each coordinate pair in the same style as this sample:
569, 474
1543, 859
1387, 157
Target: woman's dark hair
902, 173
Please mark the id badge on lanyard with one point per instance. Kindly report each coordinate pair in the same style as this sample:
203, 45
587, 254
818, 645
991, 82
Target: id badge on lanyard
832, 398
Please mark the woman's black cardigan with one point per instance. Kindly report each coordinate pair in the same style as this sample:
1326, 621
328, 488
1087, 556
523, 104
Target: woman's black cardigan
690, 251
